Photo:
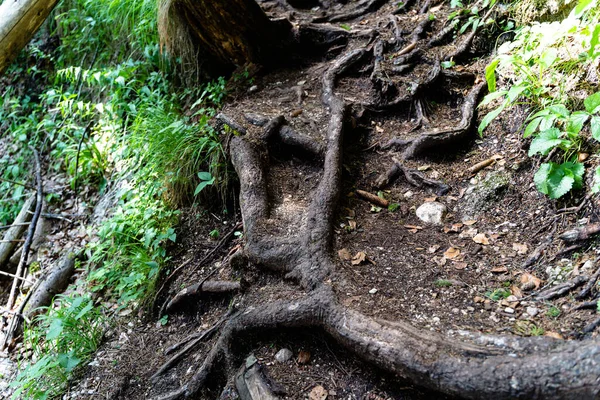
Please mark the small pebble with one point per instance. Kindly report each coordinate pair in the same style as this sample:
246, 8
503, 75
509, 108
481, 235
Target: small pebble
509, 310
283, 355
373, 291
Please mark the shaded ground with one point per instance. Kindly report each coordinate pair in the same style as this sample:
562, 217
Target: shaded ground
466, 274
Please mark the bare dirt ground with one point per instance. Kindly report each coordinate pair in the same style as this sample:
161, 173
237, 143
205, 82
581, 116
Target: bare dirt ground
469, 272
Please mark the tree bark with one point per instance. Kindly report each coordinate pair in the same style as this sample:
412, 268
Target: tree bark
19, 21
220, 36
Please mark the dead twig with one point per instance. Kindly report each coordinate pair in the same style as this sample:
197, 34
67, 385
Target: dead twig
25, 185
590, 284
191, 341
371, 198
481, 165
10, 226
581, 233
562, 288
16, 277
225, 239
538, 252
30, 232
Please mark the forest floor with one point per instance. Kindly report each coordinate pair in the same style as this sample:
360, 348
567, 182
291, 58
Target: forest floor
470, 272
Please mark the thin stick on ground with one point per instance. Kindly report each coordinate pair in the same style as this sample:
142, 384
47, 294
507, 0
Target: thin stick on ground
225, 239
30, 232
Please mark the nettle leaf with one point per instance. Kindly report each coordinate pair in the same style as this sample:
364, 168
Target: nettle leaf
560, 110
556, 180
592, 103
515, 92
546, 141
55, 329
548, 57
576, 122
595, 127
68, 361
547, 122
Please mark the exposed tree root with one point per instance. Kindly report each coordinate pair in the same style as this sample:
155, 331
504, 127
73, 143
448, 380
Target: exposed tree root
196, 290
469, 365
439, 137
562, 289
582, 233
590, 284
413, 177
363, 7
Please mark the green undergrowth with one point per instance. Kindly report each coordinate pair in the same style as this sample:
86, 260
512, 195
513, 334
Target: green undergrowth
105, 110
550, 67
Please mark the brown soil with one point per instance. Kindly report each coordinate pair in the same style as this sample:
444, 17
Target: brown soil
405, 274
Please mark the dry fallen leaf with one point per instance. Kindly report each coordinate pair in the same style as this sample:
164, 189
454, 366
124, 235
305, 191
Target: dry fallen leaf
440, 261
554, 335
452, 252
520, 248
413, 227
470, 222
318, 393
480, 238
379, 129
460, 265
527, 278
359, 258
303, 357
499, 270
430, 199
344, 254
433, 248
469, 233
352, 225
516, 291
453, 228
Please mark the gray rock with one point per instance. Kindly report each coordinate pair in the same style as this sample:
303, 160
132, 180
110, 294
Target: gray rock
283, 355
484, 194
432, 213
532, 311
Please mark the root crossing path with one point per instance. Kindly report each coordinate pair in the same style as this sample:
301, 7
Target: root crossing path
388, 64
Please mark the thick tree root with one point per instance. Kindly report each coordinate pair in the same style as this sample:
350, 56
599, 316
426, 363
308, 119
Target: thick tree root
413, 177
196, 290
436, 138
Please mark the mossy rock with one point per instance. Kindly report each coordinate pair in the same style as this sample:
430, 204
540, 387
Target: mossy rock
484, 194
542, 10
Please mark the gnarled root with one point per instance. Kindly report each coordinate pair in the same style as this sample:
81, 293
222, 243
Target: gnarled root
413, 177
436, 137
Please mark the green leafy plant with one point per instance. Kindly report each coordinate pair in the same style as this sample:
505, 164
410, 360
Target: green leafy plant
553, 312
543, 76
393, 207
62, 338
214, 234
442, 283
498, 294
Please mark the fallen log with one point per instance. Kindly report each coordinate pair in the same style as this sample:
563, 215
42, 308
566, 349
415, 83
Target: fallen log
20, 224
20, 21
51, 284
